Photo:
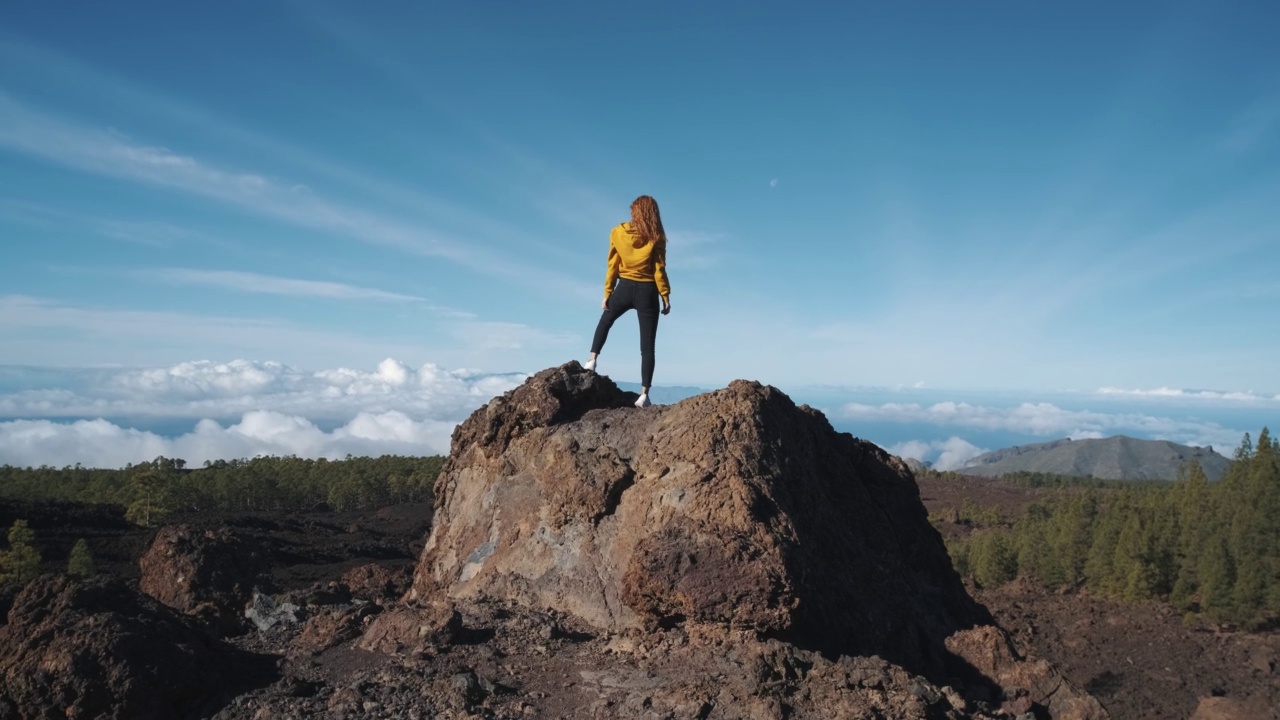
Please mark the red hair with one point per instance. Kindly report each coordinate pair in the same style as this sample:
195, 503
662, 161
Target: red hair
646, 221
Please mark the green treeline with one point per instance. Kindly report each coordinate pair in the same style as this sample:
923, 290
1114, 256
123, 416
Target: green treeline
153, 490
1209, 548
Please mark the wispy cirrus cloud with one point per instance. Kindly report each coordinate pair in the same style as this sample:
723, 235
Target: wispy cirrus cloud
694, 249
50, 332
151, 233
87, 149
270, 284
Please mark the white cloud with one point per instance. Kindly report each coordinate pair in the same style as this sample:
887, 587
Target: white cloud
1086, 435
914, 449
949, 454
206, 389
264, 408
1165, 392
1047, 420
99, 443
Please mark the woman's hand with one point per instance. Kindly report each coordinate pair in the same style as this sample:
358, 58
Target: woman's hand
666, 306
604, 304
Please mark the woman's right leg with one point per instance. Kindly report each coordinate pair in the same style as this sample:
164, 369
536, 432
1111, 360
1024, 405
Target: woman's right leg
648, 304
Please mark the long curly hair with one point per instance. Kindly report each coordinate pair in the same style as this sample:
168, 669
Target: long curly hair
646, 222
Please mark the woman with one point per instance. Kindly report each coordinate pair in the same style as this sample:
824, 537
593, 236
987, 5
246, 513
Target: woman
636, 278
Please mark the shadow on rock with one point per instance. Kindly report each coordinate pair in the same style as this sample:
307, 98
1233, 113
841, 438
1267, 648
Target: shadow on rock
99, 649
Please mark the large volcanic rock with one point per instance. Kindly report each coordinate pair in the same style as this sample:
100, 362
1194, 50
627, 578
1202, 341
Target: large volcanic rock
208, 574
98, 649
735, 509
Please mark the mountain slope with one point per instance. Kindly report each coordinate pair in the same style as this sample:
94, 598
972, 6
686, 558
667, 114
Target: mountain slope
1115, 458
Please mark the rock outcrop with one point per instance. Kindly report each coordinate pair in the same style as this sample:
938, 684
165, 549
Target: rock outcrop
98, 649
208, 574
734, 509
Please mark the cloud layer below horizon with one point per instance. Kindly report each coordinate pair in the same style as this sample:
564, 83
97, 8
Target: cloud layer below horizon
204, 410
237, 409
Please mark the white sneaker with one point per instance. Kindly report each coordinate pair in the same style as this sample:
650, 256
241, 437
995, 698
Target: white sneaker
643, 401
590, 365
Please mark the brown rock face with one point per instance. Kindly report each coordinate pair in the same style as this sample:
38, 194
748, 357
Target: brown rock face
97, 649
734, 509
207, 574
377, 583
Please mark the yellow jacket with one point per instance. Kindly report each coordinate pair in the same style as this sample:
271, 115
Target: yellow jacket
647, 263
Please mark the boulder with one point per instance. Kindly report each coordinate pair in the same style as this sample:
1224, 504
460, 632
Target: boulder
208, 574
266, 612
1028, 684
412, 629
332, 628
733, 509
97, 649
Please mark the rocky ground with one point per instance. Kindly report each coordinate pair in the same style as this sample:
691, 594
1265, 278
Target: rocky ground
1141, 660
333, 641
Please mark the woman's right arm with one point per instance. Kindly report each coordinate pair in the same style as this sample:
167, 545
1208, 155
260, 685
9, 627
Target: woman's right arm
614, 267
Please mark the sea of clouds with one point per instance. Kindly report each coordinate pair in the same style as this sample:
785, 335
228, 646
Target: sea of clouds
949, 433
109, 418
201, 411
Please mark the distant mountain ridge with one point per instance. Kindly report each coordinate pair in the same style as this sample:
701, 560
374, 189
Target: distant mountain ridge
1114, 458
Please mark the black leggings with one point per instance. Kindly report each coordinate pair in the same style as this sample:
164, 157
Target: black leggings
643, 296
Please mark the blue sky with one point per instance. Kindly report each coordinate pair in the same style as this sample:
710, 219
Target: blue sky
1025, 198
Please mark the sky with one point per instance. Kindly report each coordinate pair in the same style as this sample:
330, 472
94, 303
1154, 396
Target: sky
323, 227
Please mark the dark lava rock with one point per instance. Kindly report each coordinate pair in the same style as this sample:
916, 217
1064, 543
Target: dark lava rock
98, 649
734, 508
208, 574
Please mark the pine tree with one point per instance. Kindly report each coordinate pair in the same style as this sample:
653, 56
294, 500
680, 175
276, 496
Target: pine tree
20, 564
81, 564
993, 558
1036, 555
1099, 567
150, 489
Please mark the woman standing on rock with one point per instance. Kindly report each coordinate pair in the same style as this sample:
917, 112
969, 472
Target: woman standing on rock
636, 277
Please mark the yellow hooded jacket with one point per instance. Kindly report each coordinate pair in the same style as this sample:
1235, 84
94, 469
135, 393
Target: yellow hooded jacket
647, 263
